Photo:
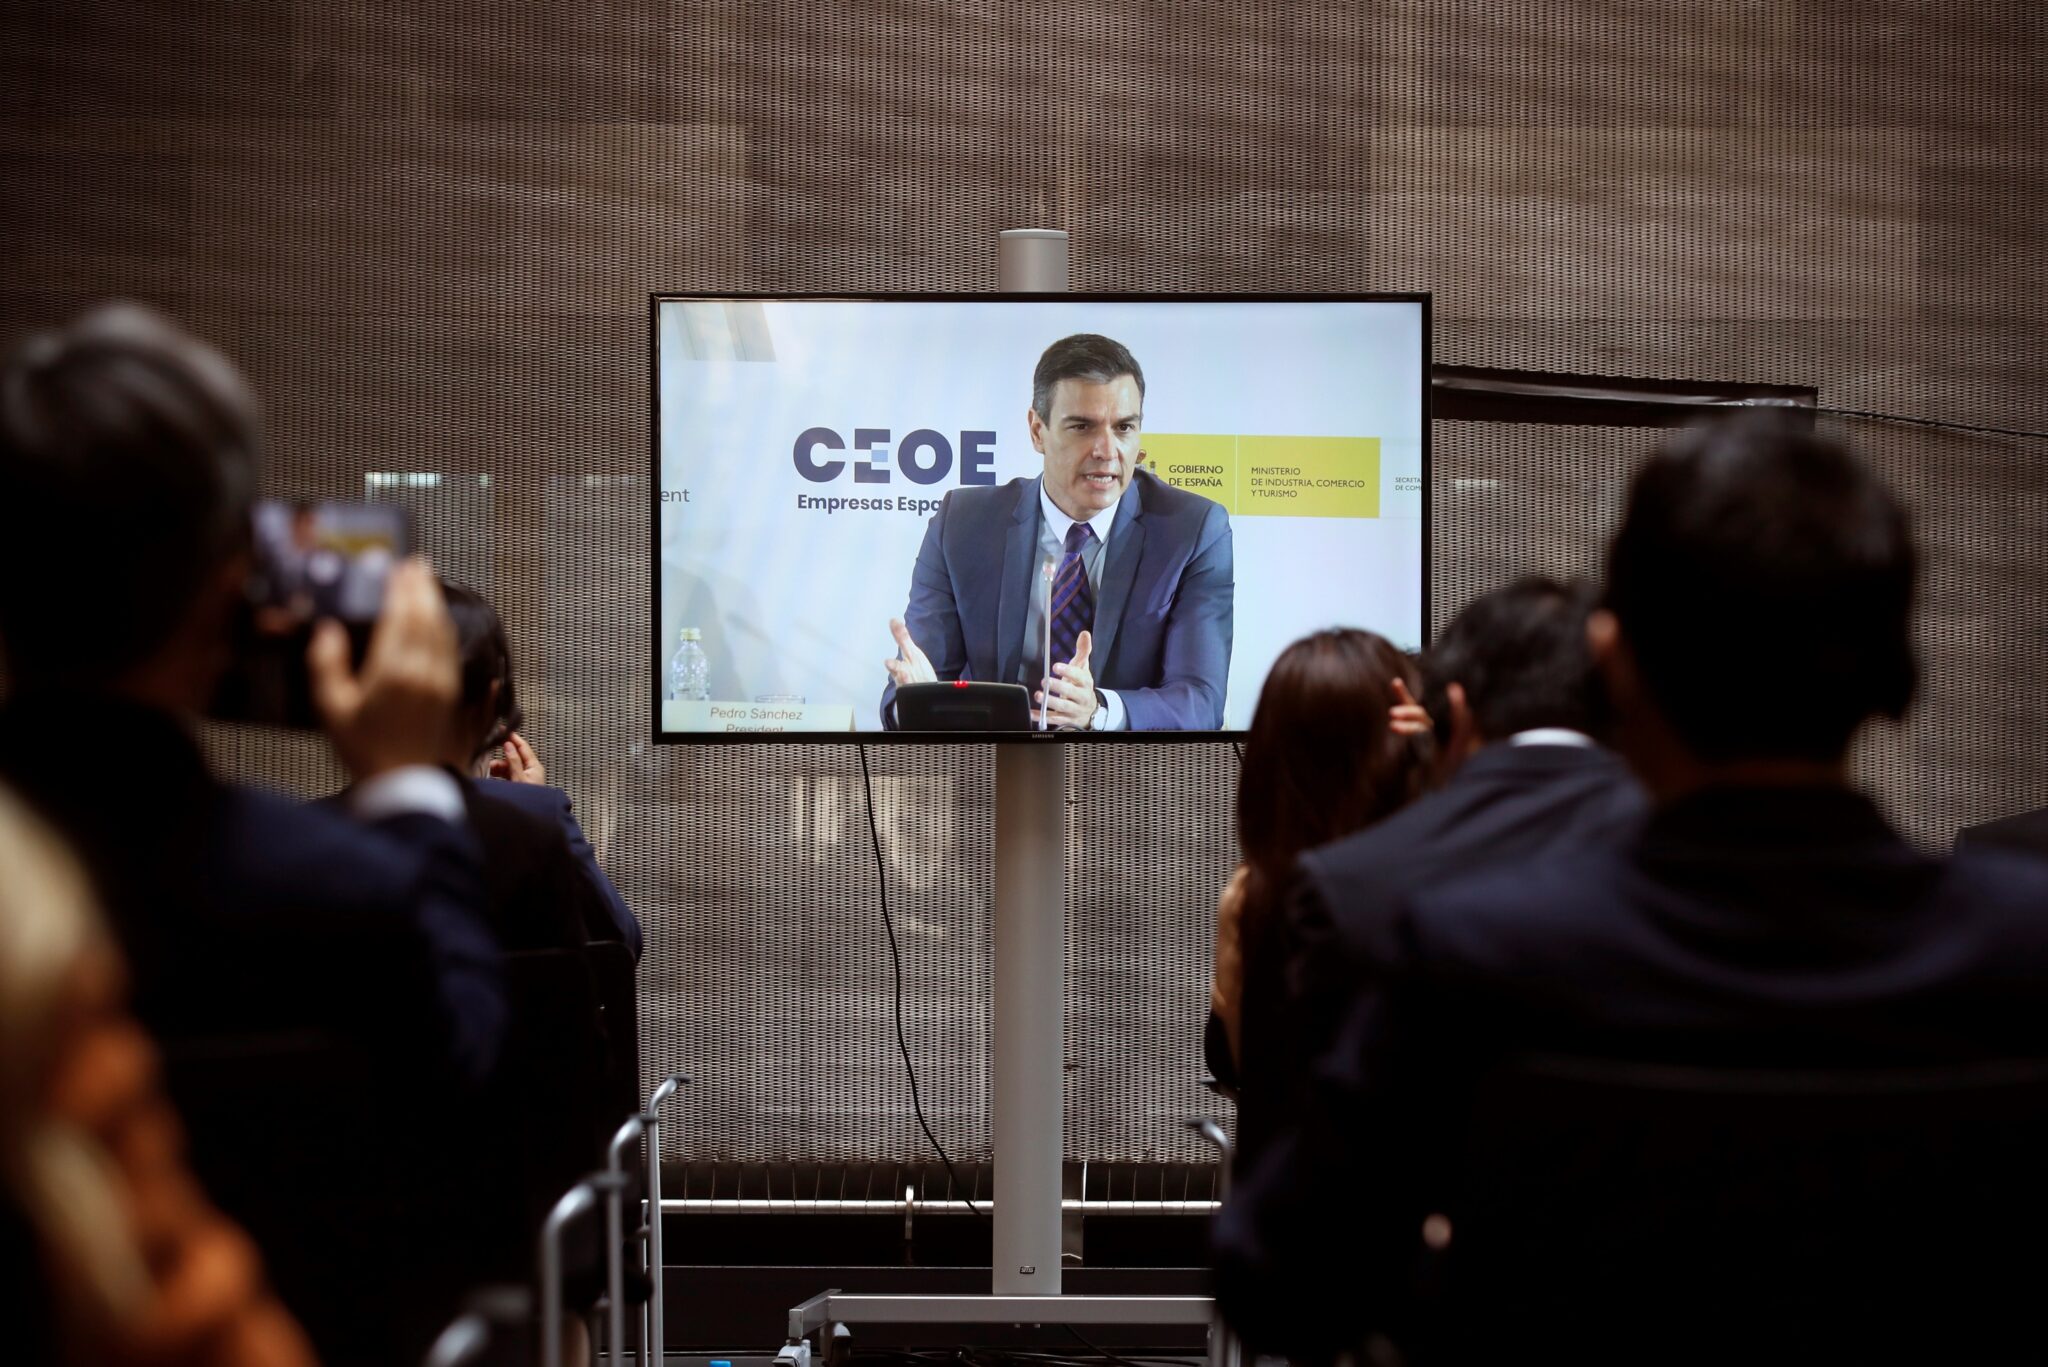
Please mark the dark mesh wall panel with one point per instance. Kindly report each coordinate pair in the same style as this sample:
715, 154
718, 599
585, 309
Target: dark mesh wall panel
429, 230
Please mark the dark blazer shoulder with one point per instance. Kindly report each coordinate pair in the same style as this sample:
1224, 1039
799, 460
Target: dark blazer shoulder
1499, 906
973, 506
2027, 832
529, 874
500, 819
1179, 508
542, 800
1993, 900
278, 852
554, 806
1507, 802
1591, 893
1999, 881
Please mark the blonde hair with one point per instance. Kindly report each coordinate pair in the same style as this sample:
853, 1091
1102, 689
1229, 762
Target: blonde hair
57, 1175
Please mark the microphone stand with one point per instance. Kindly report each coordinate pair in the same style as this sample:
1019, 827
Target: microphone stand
1046, 573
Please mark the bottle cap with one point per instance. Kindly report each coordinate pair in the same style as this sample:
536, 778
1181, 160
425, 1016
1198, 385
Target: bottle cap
692, 634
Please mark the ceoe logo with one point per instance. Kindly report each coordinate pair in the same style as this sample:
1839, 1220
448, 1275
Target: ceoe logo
924, 456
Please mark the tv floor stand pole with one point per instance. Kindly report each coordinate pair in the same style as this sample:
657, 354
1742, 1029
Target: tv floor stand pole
1029, 1045
1027, 1104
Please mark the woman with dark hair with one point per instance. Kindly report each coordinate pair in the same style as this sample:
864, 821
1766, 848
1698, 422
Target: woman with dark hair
488, 718
565, 1080
1336, 744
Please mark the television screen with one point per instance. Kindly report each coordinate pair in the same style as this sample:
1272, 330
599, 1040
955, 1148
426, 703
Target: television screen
906, 515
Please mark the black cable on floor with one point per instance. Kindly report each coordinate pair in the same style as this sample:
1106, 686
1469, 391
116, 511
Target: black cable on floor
896, 960
1062, 1360
1106, 1357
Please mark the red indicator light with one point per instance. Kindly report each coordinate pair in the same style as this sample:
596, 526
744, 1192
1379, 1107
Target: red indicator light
959, 683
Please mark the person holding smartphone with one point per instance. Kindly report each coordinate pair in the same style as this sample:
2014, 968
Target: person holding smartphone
244, 917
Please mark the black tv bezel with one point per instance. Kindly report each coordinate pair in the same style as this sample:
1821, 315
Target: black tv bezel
657, 298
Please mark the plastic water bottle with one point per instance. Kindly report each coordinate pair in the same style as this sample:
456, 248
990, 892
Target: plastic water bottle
689, 673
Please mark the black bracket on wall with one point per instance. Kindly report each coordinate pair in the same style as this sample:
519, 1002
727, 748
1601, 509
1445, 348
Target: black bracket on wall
1460, 393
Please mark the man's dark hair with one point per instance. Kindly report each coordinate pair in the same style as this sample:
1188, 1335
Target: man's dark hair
1763, 578
1084, 356
486, 660
127, 466
1519, 652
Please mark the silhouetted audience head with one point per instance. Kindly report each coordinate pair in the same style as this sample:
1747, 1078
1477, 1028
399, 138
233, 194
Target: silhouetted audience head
1322, 759
1514, 659
128, 455
1759, 595
489, 711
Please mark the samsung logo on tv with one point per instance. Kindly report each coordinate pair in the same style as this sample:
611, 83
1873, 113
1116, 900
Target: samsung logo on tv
923, 456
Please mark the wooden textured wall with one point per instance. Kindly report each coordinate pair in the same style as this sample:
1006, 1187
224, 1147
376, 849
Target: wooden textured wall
429, 229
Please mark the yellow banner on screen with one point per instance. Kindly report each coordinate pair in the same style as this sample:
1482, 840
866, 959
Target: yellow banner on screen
1272, 476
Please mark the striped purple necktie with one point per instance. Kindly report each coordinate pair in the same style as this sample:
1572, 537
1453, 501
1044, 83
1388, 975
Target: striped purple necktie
1072, 608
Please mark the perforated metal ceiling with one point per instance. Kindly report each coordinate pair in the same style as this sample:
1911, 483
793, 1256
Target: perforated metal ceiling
429, 230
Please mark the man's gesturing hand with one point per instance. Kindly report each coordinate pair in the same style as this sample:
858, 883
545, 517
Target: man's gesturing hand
1067, 702
396, 712
910, 665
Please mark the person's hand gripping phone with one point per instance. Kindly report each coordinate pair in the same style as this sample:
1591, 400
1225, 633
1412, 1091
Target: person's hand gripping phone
394, 712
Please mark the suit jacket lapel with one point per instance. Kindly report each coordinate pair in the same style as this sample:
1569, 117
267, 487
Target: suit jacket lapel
1019, 552
1119, 572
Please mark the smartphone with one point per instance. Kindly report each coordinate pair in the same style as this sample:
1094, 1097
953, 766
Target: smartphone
310, 562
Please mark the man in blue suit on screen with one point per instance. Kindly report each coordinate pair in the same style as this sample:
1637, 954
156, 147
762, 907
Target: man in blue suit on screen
1134, 574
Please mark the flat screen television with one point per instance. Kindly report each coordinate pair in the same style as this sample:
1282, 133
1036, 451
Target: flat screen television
888, 515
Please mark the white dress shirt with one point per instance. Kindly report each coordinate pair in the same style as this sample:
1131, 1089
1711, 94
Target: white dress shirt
1552, 735
424, 789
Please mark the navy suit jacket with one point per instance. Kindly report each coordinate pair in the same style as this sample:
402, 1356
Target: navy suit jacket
240, 910
551, 804
1506, 804
245, 916
1162, 614
1775, 928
